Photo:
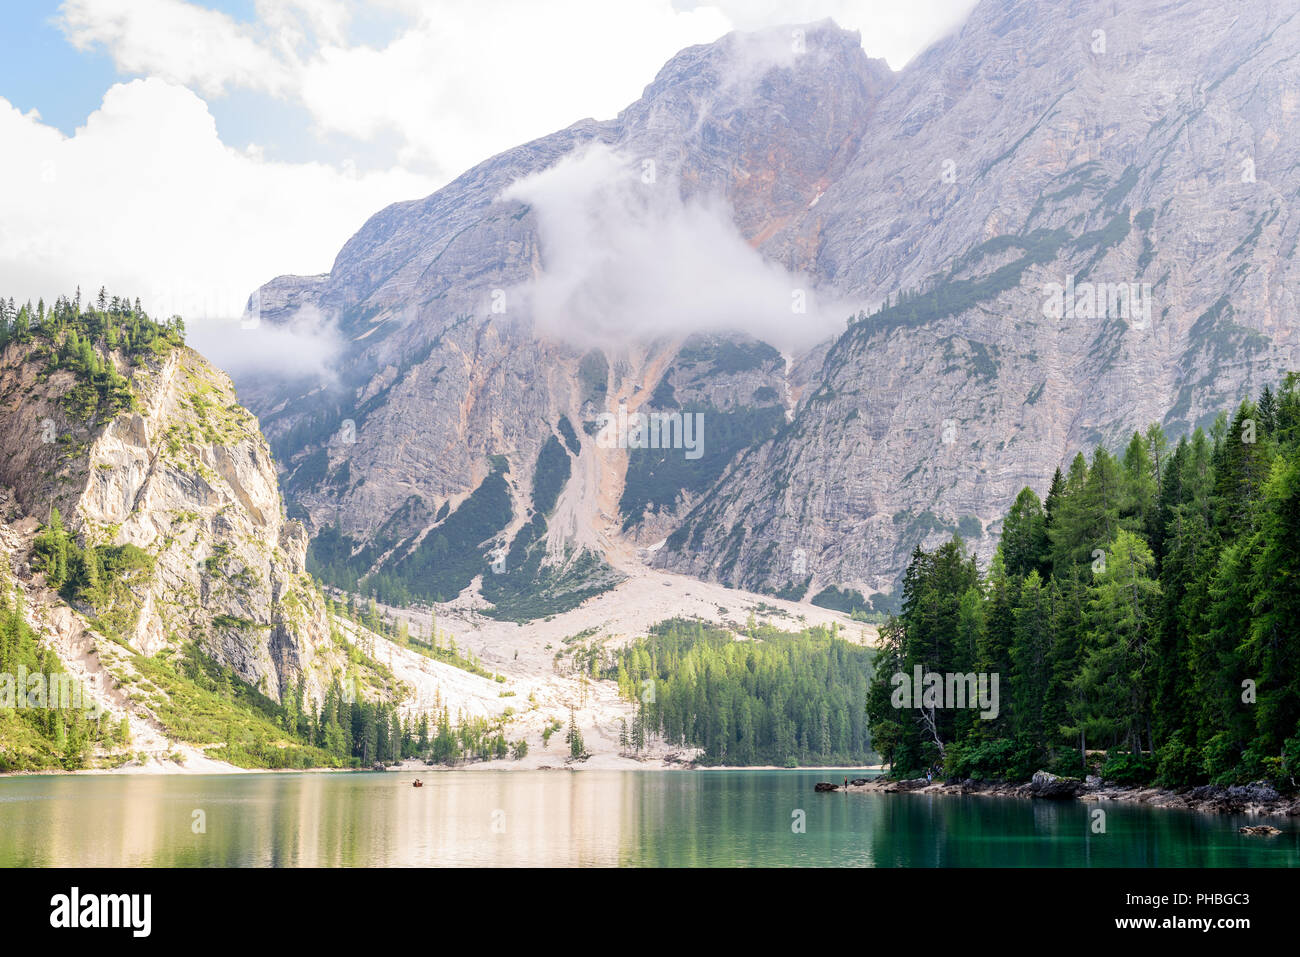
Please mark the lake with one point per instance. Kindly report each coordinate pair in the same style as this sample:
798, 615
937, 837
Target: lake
596, 818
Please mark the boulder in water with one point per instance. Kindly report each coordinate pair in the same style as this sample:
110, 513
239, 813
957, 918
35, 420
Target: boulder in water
1258, 830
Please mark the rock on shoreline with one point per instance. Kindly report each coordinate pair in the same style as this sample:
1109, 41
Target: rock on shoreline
1256, 798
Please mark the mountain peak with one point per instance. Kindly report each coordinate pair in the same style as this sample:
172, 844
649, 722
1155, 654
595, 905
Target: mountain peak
746, 60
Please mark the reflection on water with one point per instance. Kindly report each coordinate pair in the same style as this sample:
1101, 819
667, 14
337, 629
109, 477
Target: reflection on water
539, 818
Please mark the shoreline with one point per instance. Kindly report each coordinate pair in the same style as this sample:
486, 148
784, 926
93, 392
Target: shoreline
419, 767
1254, 800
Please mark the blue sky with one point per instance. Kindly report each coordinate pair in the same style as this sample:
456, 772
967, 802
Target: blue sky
40, 69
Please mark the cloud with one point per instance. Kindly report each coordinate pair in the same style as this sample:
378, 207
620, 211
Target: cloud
892, 30
460, 80
505, 73
181, 42
625, 259
146, 200
304, 347
464, 79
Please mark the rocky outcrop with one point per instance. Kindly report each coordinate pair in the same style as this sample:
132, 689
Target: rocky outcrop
187, 477
1055, 788
1263, 800
1234, 799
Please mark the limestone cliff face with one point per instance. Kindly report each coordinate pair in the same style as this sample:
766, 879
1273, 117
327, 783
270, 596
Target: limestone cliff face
188, 477
1142, 146
1136, 145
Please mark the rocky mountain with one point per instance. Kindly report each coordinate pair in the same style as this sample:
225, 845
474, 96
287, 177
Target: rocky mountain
169, 496
1054, 227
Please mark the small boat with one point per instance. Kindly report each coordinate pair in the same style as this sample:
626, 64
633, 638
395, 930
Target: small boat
417, 783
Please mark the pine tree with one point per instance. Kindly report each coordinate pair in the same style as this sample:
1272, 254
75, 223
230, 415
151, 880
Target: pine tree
92, 574
1024, 544
1120, 620
1268, 412
1031, 652
1272, 646
1068, 525
1138, 492
574, 737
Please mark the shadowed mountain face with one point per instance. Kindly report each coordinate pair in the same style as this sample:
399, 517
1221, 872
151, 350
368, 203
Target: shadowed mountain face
1051, 229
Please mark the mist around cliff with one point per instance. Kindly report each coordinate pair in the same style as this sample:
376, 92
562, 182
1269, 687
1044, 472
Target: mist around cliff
624, 256
304, 347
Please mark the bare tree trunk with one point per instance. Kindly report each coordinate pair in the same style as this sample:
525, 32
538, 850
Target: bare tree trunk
927, 719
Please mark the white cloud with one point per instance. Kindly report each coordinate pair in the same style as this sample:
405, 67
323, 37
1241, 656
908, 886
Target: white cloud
146, 200
471, 78
464, 79
892, 30
296, 22
305, 346
624, 259
178, 41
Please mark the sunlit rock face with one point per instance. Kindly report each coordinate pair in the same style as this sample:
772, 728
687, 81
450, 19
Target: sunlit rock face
1087, 214
187, 477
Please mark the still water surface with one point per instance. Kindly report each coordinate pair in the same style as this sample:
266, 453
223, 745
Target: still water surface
604, 818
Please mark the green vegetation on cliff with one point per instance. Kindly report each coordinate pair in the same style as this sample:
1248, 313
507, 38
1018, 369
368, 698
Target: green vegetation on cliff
47, 720
523, 584
89, 341
438, 568
369, 617
657, 478
520, 582
98, 575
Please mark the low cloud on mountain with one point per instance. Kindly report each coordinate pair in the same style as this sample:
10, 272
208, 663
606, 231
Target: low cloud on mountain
626, 258
304, 347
